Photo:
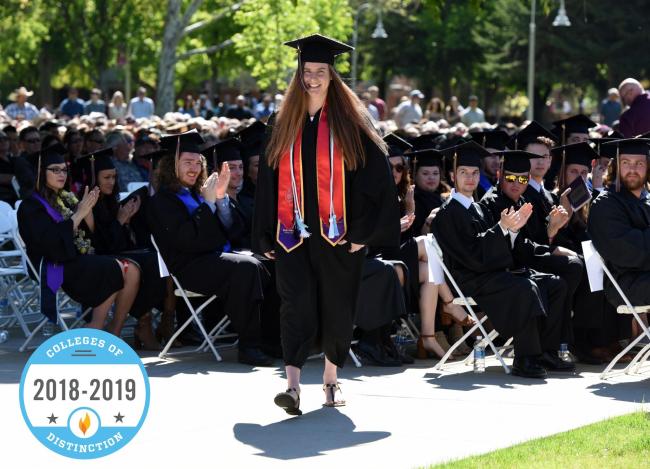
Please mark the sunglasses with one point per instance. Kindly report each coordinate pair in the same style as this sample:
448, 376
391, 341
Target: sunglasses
398, 167
58, 171
512, 178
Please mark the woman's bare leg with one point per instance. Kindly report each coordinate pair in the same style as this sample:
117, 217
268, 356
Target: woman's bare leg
125, 297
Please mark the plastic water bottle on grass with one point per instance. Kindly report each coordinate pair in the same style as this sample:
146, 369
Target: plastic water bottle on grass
479, 355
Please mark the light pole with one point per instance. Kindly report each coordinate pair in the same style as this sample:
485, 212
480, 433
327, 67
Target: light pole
560, 20
378, 33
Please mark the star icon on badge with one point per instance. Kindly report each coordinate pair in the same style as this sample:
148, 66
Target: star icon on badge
119, 417
52, 418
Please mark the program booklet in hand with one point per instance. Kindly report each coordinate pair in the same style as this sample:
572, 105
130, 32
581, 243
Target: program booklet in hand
580, 193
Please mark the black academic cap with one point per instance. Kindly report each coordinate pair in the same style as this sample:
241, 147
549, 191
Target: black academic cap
578, 124
630, 146
9, 128
396, 145
95, 162
615, 134
529, 134
467, 154
251, 139
428, 157
318, 48
495, 139
226, 150
189, 142
155, 156
516, 161
609, 152
53, 154
575, 153
424, 141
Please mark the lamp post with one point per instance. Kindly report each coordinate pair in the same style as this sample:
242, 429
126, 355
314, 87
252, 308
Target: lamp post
378, 33
560, 20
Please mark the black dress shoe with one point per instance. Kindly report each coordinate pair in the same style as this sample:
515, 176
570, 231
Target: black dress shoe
552, 362
254, 356
374, 355
527, 367
585, 356
396, 351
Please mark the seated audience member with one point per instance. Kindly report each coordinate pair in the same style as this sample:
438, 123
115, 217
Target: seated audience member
619, 222
127, 171
57, 232
251, 148
480, 253
493, 141
192, 221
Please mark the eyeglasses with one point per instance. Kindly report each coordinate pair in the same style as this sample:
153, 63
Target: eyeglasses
398, 167
58, 171
512, 178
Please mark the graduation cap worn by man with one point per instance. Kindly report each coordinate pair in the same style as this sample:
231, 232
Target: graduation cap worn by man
251, 139
532, 133
491, 140
226, 150
576, 126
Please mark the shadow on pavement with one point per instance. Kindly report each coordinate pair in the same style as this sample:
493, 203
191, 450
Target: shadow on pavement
309, 435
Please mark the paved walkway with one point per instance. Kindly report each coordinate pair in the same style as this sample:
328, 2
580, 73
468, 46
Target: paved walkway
208, 414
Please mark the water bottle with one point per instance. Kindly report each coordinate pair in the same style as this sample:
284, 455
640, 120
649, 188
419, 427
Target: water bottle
4, 336
564, 352
48, 329
479, 355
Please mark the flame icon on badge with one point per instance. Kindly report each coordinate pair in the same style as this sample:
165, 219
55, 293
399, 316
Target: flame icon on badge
84, 424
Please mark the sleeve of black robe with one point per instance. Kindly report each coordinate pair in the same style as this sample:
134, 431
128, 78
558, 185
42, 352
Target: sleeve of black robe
109, 237
459, 239
373, 207
43, 236
171, 224
615, 238
265, 215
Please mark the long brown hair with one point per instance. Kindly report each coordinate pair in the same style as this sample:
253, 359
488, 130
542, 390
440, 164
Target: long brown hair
165, 175
346, 116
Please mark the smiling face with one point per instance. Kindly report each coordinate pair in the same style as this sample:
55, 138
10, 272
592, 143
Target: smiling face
236, 175
106, 181
316, 77
189, 168
572, 171
428, 178
55, 176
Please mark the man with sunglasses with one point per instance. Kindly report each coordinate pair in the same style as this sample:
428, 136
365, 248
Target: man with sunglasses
482, 252
541, 258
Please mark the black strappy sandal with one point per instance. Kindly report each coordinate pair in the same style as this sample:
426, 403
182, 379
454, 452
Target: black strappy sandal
330, 391
290, 404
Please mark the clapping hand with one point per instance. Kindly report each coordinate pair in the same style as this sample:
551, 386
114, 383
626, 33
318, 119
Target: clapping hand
216, 185
513, 220
126, 211
597, 173
564, 201
88, 201
406, 221
409, 200
557, 219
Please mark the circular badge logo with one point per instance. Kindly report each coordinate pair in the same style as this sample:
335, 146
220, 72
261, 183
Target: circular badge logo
84, 393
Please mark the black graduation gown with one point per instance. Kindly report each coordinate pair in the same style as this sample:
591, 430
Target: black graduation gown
319, 283
619, 225
246, 199
380, 296
245, 214
542, 203
479, 256
191, 246
110, 237
425, 201
539, 257
88, 279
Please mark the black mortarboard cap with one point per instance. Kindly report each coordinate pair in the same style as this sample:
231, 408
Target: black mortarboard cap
318, 48
578, 124
396, 145
495, 139
575, 153
226, 150
156, 156
467, 154
630, 146
529, 134
95, 162
251, 139
428, 157
189, 142
516, 161
54, 154
423, 142
609, 152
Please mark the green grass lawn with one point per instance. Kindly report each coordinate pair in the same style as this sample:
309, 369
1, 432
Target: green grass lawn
621, 442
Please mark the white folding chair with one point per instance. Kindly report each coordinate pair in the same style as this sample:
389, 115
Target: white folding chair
596, 269
208, 339
467, 302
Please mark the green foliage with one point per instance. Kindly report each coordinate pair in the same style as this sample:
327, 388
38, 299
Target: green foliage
266, 24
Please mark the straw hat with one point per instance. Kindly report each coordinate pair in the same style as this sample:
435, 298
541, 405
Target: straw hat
22, 91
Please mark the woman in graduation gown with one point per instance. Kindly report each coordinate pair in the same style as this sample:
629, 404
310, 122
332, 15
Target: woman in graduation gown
113, 235
324, 192
56, 230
